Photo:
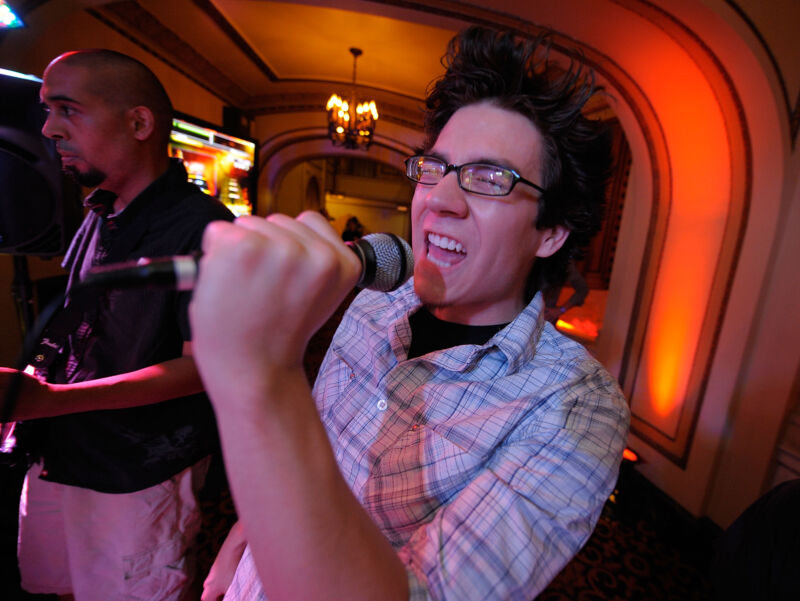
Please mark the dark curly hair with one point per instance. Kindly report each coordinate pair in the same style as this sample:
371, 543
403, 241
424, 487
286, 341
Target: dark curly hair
485, 65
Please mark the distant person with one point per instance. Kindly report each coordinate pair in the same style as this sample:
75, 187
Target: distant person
455, 445
580, 290
109, 508
353, 230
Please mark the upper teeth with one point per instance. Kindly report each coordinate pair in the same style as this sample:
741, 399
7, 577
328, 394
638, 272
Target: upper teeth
445, 242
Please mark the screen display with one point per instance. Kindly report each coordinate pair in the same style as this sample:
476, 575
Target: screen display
220, 164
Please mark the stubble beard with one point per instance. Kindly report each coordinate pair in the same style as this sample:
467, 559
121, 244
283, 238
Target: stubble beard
88, 179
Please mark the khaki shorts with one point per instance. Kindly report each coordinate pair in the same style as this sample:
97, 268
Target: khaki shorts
102, 547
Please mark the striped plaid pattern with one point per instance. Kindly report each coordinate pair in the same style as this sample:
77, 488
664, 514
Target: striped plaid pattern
485, 466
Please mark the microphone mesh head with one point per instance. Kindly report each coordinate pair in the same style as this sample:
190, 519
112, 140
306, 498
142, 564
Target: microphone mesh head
394, 261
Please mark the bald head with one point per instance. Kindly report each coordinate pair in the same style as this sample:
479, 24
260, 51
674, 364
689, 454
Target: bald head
110, 119
122, 83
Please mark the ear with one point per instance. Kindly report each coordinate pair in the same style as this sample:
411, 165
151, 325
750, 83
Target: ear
142, 122
553, 238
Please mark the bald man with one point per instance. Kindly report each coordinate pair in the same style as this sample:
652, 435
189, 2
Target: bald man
117, 416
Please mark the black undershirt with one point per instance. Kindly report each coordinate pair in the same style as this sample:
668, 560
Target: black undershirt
429, 333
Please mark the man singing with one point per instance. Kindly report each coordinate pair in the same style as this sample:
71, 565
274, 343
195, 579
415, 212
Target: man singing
455, 446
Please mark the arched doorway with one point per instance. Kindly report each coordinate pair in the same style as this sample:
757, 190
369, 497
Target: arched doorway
345, 186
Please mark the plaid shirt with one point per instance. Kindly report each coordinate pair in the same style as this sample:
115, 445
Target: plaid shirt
486, 467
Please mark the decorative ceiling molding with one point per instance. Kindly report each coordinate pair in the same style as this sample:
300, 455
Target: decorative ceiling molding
140, 26
229, 30
130, 19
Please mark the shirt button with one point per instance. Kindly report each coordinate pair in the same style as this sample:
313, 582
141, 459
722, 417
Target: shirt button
382, 404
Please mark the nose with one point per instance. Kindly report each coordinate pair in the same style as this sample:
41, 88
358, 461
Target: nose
50, 129
446, 196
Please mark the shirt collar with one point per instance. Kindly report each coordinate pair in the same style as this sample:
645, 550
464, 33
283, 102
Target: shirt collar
102, 201
517, 341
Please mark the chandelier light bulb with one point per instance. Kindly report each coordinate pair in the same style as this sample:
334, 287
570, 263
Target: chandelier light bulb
351, 124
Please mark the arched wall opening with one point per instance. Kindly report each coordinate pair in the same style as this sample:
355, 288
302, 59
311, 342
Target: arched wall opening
279, 153
350, 186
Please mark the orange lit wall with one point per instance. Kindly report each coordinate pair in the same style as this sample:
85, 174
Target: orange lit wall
698, 149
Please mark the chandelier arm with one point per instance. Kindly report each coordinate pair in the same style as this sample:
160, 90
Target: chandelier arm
355, 126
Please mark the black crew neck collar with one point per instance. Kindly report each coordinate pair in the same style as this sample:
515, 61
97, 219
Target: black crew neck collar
429, 333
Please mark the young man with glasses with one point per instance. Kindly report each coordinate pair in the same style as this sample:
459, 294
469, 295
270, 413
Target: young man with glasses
455, 446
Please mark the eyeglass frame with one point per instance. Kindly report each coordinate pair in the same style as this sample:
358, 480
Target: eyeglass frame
457, 168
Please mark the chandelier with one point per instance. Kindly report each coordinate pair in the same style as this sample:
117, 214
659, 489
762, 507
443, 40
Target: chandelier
349, 124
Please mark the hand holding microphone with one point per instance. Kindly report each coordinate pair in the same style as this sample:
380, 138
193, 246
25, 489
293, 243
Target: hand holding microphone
266, 285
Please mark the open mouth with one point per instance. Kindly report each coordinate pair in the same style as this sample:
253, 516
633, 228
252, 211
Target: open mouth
444, 251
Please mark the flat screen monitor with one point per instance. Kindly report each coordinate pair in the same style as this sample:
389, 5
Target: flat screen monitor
221, 164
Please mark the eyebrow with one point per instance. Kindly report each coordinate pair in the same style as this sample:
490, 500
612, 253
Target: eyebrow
58, 98
436, 155
484, 159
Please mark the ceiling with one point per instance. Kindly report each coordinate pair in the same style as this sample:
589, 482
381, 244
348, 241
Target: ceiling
264, 57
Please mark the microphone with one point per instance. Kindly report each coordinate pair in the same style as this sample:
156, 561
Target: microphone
386, 263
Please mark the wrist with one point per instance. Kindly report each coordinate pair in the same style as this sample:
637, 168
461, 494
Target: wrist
267, 394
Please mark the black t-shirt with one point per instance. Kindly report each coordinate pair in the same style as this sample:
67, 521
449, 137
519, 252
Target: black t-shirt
123, 330
429, 333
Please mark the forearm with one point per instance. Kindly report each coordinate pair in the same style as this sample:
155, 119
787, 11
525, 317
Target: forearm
572, 301
580, 289
309, 536
153, 384
224, 567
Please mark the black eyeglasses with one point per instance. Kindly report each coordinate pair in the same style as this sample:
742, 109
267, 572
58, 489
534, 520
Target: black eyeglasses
477, 178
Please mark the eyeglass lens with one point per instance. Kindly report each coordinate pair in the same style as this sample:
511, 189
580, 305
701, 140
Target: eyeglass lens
473, 177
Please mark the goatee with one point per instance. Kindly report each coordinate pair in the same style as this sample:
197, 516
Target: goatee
88, 179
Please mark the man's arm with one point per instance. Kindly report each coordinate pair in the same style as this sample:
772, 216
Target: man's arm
223, 569
533, 505
309, 536
153, 384
579, 285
